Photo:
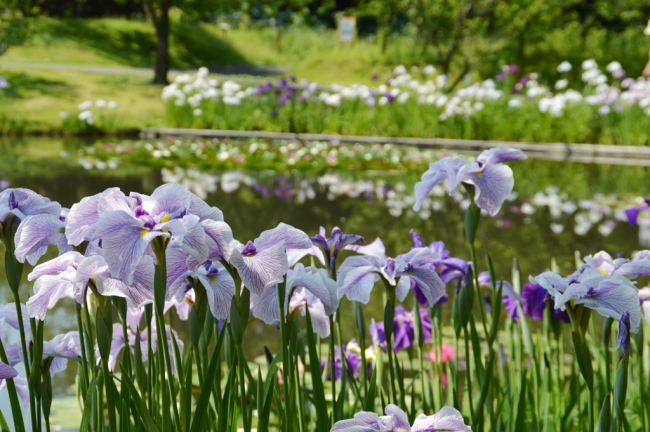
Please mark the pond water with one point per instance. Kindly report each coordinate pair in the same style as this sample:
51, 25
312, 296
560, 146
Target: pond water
560, 208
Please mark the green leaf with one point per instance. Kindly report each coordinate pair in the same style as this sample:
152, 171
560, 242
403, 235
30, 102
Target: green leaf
204, 397
89, 406
620, 389
4, 427
159, 289
472, 217
369, 404
13, 270
584, 360
521, 406
605, 419
140, 406
322, 421
477, 418
103, 336
236, 324
195, 327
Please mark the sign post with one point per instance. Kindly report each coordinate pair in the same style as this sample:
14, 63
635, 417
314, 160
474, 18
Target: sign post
347, 29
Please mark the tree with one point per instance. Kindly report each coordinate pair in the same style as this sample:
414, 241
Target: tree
158, 13
14, 29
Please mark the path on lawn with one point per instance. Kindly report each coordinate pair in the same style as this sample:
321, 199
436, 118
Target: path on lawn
251, 71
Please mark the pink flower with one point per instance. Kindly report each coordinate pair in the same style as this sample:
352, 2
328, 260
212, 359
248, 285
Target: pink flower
447, 353
239, 159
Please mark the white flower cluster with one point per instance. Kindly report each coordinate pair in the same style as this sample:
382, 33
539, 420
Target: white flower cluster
192, 89
86, 113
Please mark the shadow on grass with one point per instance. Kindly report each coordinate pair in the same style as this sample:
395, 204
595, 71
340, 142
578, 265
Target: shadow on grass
191, 45
23, 85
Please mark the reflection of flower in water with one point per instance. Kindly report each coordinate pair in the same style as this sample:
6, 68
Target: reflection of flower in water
603, 212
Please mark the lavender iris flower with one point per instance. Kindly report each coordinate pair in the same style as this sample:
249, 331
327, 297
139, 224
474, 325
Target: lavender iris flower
493, 180
262, 263
54, 281
509, 296
609, 295
212, 275
24, 202
447, 267
332, 246
127, 225
535, 302
7, 371
96, 271
403, 328
60, 349
396, 420
352, 357
358, 274
134, 337
309, 286
37, 232
638, 266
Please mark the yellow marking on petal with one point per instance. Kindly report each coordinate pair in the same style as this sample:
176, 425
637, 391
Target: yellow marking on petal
60, 231
479, 174
144, 232
166, 218
603, 271
212, 279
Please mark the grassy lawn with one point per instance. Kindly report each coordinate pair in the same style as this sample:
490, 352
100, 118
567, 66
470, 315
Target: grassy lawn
309, 53
36, 97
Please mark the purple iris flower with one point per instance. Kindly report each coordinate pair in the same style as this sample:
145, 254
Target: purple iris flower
638, 266
358, 274
507, 292
274, 112
60, 349
24, 202
37, 232
305, 285
331, 246
623, 338
54, 281
632, 213
352, 357
96, 270
283, 99
535, 302
403, 328
492, 179
609, 295
447, 267
513, 69
375, 76
396, 420
134, 336
127, 225
3, 83
262, 263
212, 275
7, 372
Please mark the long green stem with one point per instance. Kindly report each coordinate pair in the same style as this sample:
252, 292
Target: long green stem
16, 410
388, 327
26, 360
332, 367
286, 373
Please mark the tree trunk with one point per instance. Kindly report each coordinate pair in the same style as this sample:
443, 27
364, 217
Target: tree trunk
162, 45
